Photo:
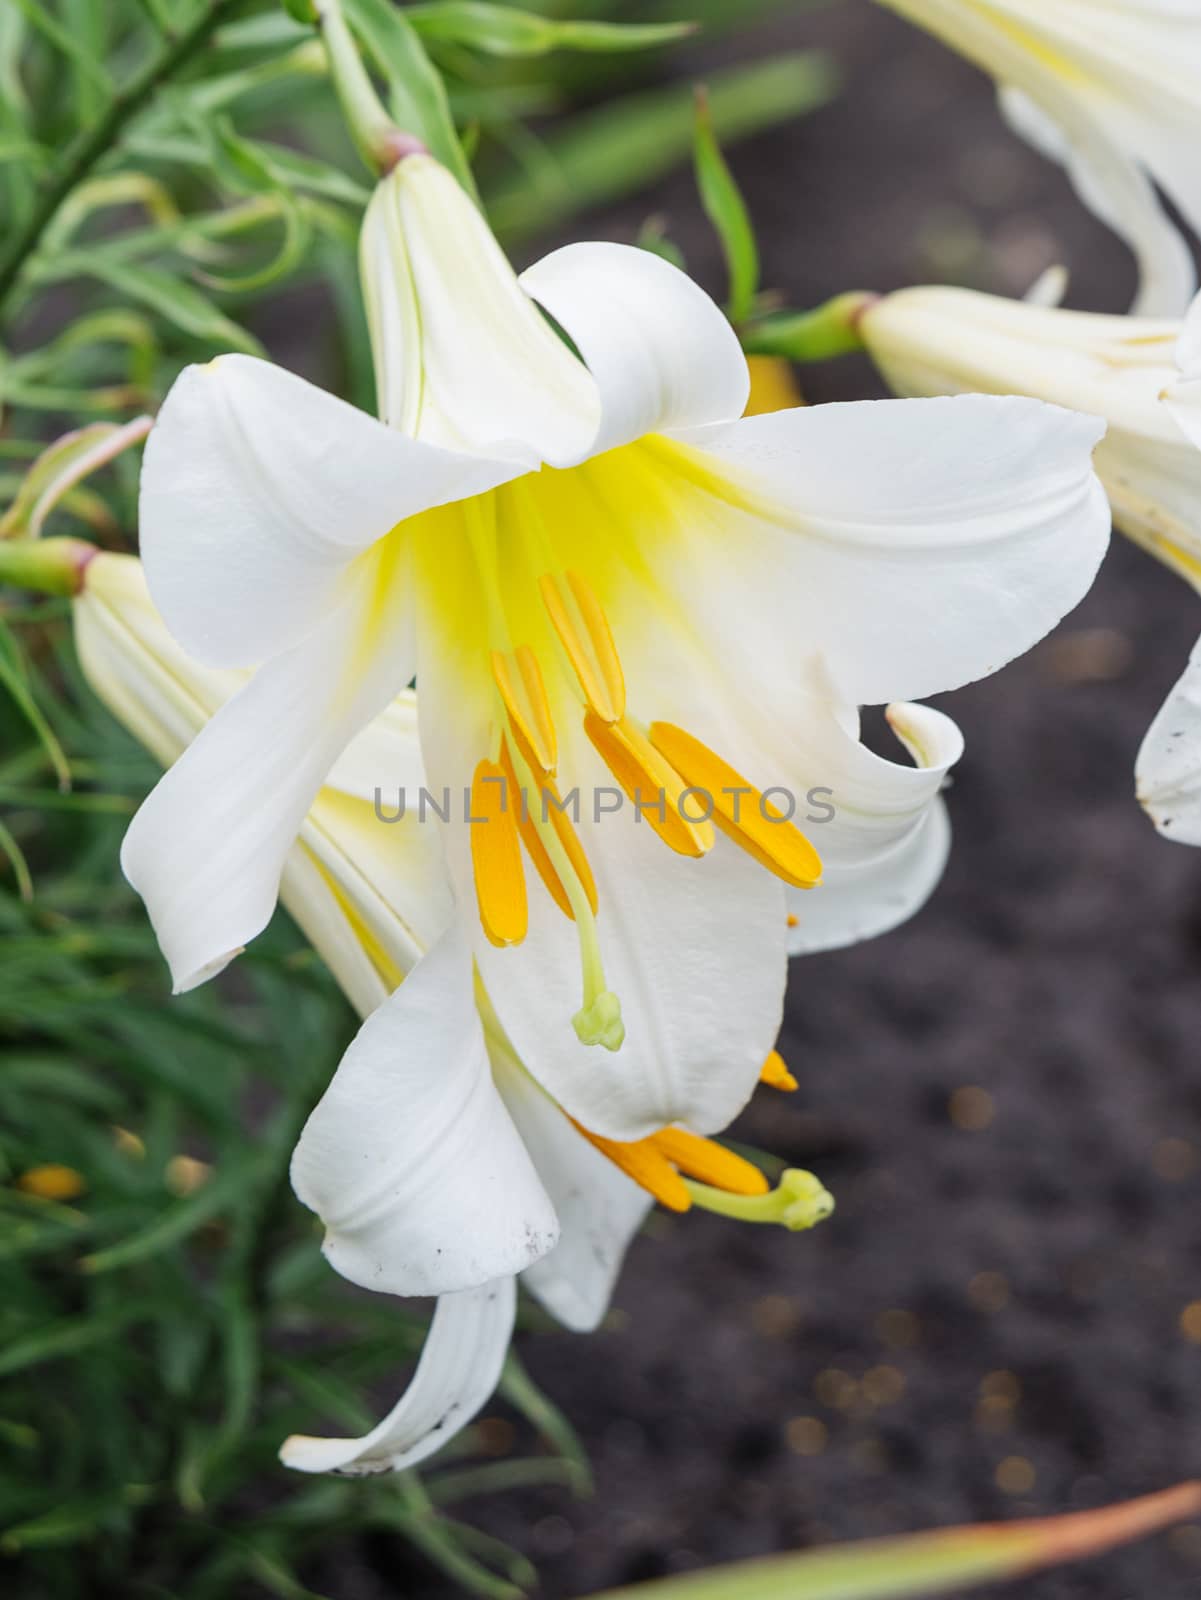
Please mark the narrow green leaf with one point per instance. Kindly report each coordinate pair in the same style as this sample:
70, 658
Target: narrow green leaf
165, 293
726, 210
14, 679
174, 1225
417, 94
625, 145
11, 850
930, 1563
67, 41
69, 1338
502, 30
520, 1390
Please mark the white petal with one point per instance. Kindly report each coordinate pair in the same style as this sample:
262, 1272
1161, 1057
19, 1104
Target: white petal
599, 1208
1188, 348
371, 896
884, 850
1113, 185
207, 847
917, 544
410, 1158
694, 951
1168, 771
463, 358
258, 490
460, 1366
1108, 88
662, 354
384, 759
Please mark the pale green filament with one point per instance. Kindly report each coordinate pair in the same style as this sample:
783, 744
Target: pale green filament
598, 1021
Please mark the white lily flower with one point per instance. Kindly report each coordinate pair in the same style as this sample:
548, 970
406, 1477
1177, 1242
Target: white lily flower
1144, 377
411, 1161
1109, 88
606, 582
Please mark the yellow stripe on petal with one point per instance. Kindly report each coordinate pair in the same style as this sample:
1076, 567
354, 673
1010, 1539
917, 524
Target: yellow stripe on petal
652, 783
584, 632
775, 1074
647, 1166
496, 856
739, 809
709, 1162
519, 679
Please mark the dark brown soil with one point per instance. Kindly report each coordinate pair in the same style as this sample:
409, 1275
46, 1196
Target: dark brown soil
1043, 1261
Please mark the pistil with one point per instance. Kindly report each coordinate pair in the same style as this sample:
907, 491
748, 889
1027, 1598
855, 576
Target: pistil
798, 1201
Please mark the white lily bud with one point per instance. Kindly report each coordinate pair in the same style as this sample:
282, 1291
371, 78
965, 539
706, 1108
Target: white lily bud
463, 357
936, 341
1109, 89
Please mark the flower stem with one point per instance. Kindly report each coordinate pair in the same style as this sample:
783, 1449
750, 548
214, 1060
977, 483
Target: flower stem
830, 330
377, 138
48, 566
93, 142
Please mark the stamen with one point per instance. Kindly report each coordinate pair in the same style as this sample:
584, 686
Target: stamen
646, 1165
557, 850
775, 1074
496, 856
519, 679
547, 804
739, 809
651, 782
585, 634
798, 1201
710, 1162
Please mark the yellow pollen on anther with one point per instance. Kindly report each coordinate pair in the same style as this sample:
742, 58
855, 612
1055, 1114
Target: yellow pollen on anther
545, 804
739, 809
652, 783
519, 679
775, 1074
709, 1162
496, 855
645, 1164
585, 635
792, 920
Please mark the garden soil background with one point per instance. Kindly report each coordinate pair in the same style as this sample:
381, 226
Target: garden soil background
995, 1322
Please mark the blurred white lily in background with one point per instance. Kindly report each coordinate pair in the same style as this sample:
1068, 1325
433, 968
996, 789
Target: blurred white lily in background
409, 1159
1143, 377
1112, 90
599, 574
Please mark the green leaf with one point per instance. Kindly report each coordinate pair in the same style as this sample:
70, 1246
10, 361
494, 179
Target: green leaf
625, 145
726, 210
69, 1338
174, 1225
15, 680
520, 1390
167, 294
504, 31
68, 41
417, 94
929, 1563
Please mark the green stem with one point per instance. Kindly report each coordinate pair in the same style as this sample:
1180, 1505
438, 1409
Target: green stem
92, 143
377, 138
830, 330
48, 566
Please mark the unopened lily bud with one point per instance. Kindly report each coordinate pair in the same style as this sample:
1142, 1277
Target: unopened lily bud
936, 341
